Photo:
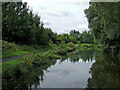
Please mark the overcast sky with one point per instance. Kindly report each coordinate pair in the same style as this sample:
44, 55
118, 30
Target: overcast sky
61, 16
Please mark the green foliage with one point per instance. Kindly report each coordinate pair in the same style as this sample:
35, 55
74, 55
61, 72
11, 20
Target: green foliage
21, 26
71, 45
11, 50
7, 45
76, 37
63, 37
51, 36
84, 37
51, 44
8, 67
105, 70
14, 30
82, 47
15, 68
49, 55
104, 24
86, 46
32, 31
27, 61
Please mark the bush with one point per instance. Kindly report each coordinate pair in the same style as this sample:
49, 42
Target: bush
71, 44
51, 54
11, 50
27, 61
9, 46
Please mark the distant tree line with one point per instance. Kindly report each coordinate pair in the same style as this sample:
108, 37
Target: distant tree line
104, 22
76, 37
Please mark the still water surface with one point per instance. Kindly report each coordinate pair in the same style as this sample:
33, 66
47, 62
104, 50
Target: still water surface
67, 74
86, 69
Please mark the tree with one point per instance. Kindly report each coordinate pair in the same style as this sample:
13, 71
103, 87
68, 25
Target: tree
21, 26
104, 23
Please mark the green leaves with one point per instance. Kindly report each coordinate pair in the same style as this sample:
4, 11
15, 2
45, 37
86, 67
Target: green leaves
22, 26
104, 23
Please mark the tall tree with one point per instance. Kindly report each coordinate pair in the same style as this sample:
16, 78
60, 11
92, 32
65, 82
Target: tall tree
104, 23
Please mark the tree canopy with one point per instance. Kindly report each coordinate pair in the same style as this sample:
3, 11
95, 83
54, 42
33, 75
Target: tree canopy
22, 26
103, 18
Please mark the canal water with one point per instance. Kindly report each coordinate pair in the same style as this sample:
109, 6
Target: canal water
86, 69
67, 74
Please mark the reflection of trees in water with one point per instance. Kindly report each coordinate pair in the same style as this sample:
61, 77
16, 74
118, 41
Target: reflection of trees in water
84, 55
22, 81
26, 80
87, 55
104, 72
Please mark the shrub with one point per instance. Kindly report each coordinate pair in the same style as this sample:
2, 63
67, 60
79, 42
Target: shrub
9, 46
27, 61
71, 44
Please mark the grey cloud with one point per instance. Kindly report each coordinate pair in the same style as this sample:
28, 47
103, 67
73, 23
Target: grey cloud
66, 13
53, 14
60, 14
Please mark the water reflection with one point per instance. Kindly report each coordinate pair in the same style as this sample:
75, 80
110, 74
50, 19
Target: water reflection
26, 80
86, 69
105, 72
84, 55
67, 74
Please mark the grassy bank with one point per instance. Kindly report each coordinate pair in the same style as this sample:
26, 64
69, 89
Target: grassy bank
12, 49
